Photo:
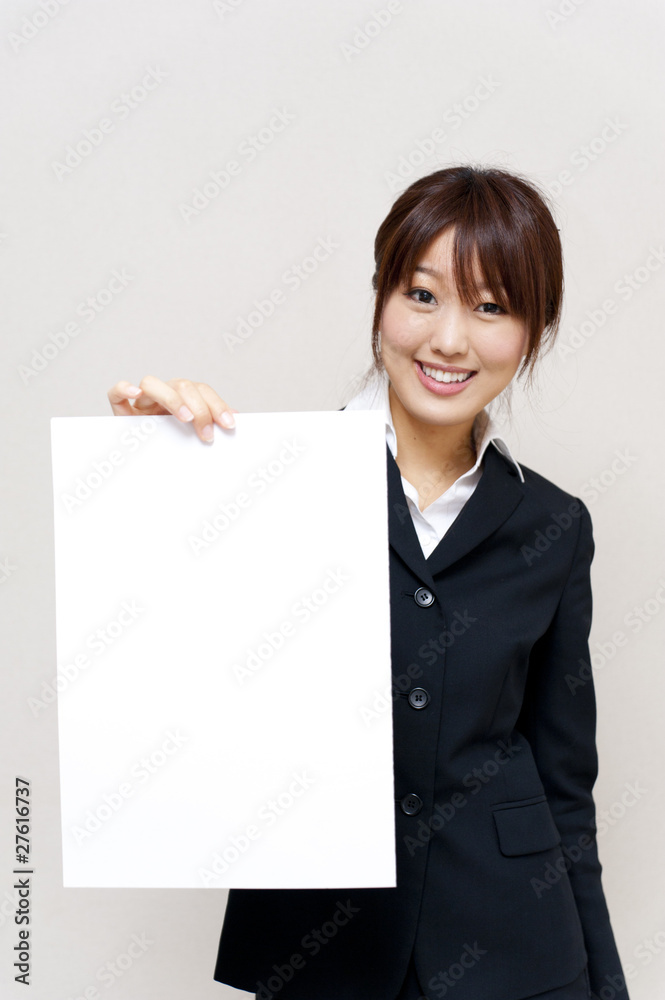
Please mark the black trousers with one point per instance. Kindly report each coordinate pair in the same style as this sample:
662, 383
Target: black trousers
577, 990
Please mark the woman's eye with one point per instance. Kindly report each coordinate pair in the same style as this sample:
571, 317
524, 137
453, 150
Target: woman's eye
418, 292
491, 308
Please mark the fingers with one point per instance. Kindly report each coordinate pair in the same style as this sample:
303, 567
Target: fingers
190, 402
119, 396
220, 411
198, 403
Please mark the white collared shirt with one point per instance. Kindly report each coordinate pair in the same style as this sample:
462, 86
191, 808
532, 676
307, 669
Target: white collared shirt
432, 523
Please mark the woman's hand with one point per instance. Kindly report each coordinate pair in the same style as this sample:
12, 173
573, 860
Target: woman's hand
188, 401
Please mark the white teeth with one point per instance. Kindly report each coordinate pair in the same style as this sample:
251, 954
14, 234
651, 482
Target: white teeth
441, 376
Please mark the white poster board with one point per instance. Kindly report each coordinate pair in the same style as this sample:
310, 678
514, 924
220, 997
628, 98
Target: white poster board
222, 628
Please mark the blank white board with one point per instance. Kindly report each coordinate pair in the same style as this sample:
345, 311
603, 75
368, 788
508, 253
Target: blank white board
223, 621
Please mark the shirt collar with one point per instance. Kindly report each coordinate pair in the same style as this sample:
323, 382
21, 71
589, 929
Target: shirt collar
374, 396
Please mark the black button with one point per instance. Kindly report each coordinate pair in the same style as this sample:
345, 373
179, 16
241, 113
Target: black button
411, 804
418, 698
423, 597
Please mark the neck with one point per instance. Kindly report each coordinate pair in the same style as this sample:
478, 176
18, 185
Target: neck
427, 448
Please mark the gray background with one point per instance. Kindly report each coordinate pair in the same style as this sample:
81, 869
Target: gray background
560, 74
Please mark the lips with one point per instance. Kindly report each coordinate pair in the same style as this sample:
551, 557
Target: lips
448, 380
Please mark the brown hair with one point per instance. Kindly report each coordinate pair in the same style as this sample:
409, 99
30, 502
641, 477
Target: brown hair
501, 219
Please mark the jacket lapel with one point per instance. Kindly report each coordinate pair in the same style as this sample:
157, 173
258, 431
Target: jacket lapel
401, 531
494, 499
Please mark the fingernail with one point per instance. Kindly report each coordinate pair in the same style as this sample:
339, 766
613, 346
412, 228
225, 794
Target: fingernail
134, 390
185, 413
207, 433
227, 419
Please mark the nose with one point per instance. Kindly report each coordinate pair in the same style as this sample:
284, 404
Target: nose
450, 332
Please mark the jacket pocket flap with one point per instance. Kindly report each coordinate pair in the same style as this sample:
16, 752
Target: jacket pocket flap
524, 829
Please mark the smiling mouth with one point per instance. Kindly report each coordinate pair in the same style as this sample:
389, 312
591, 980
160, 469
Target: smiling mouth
444, 376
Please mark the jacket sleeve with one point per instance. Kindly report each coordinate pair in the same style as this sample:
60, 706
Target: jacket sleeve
558, 718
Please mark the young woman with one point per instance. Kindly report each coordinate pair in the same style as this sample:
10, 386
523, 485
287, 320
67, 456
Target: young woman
499, 893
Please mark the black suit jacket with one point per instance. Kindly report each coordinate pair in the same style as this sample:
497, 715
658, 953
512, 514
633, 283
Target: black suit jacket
499, 890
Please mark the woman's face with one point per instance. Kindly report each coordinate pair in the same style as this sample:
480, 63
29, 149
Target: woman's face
427, 330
